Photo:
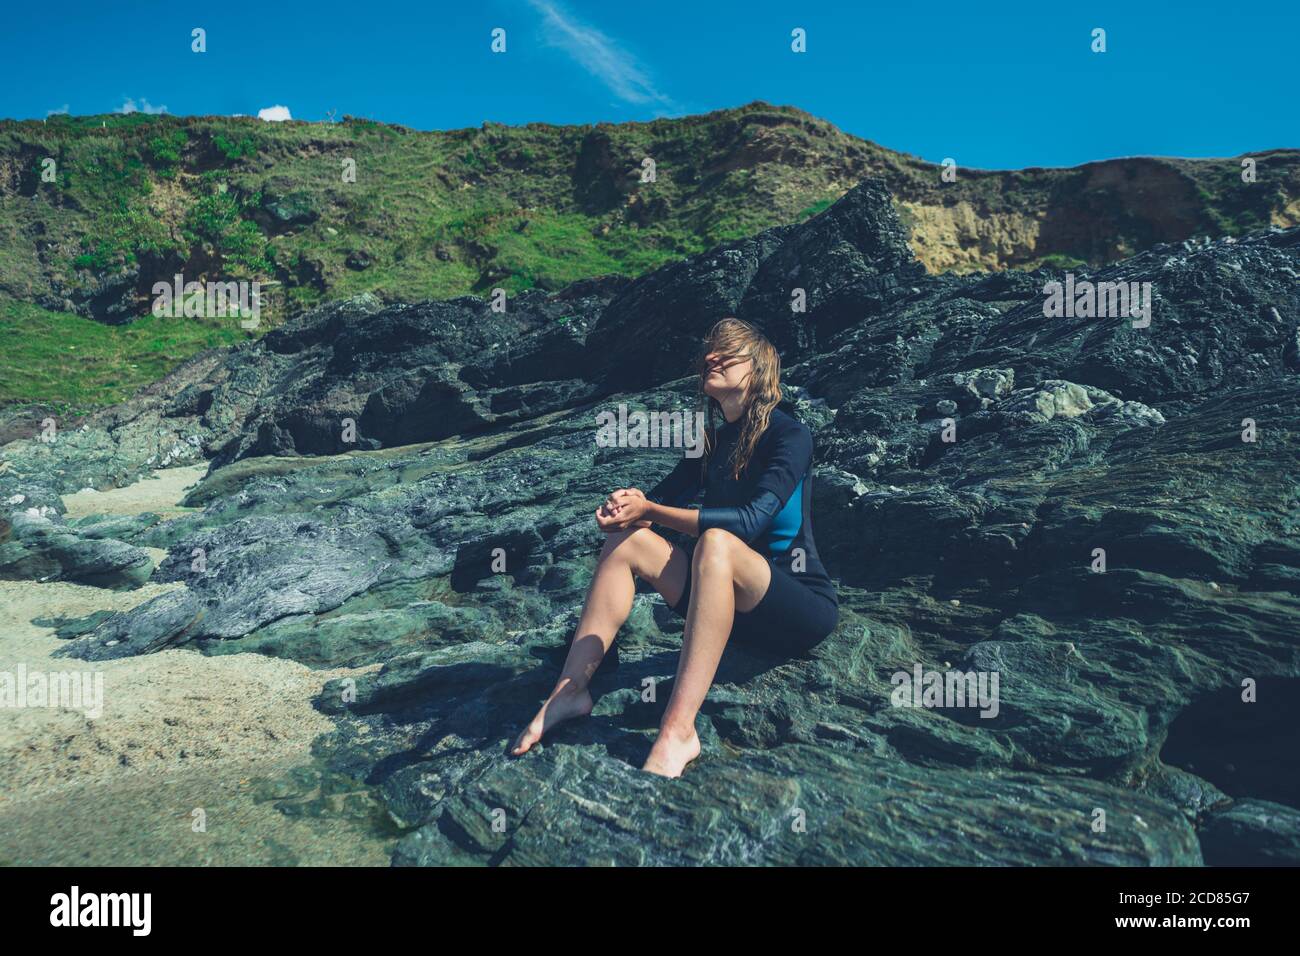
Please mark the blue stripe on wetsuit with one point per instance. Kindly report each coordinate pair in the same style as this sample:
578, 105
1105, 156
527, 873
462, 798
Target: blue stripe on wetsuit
786, 456
785, 526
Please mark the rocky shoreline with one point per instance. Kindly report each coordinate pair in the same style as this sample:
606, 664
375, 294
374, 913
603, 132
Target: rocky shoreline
368, 464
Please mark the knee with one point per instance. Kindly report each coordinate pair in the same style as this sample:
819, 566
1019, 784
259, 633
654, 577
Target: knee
716, 549
623, 544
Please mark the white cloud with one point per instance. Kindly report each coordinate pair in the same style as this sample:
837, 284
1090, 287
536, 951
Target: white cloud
598, 54
274, 114
61, 111
130, 106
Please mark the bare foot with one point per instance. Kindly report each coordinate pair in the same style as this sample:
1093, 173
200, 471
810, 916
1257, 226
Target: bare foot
562, 705
670, 754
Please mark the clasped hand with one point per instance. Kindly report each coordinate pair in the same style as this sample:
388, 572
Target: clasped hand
623, 509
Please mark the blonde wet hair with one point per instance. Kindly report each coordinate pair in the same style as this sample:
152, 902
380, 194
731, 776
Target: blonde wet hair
732, 338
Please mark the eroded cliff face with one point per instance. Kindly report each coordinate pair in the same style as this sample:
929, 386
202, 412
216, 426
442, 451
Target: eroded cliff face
965, 238
1097, 213
1101, 515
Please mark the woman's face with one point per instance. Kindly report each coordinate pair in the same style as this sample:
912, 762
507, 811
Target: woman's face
726, 375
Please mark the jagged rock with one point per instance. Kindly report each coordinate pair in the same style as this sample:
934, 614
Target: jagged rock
283, 210
160, 622
807, 805
107, 296
849, 261
122, 527
1252, 833
37, 545
67, 628
1183, 789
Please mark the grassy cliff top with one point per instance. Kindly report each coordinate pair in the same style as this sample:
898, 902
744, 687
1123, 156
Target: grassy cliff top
94, 210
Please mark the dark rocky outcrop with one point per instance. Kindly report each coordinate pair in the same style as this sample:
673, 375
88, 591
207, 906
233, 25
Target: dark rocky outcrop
283, 208
369, 464
34, 547
1253, 833
37, 544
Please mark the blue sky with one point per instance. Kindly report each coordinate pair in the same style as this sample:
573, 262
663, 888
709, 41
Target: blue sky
991, 85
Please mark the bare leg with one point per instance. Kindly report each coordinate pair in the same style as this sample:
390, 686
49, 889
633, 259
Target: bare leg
636, 552
728, 576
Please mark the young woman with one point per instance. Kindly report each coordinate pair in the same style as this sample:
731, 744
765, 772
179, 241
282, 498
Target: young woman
752, 575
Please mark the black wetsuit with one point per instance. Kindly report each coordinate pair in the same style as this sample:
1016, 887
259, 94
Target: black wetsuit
769, 508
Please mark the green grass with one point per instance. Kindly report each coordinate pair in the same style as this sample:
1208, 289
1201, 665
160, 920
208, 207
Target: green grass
233, 149
166, 150
222, 221
1059, 261
80, 364
817, 207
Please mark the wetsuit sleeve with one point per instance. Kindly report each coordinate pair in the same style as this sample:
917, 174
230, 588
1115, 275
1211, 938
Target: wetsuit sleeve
788, 462
679, 486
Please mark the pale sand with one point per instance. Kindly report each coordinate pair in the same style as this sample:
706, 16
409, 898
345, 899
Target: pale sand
160, 493
169, 719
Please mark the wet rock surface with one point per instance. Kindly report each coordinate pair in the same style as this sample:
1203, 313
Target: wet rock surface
1065, 503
